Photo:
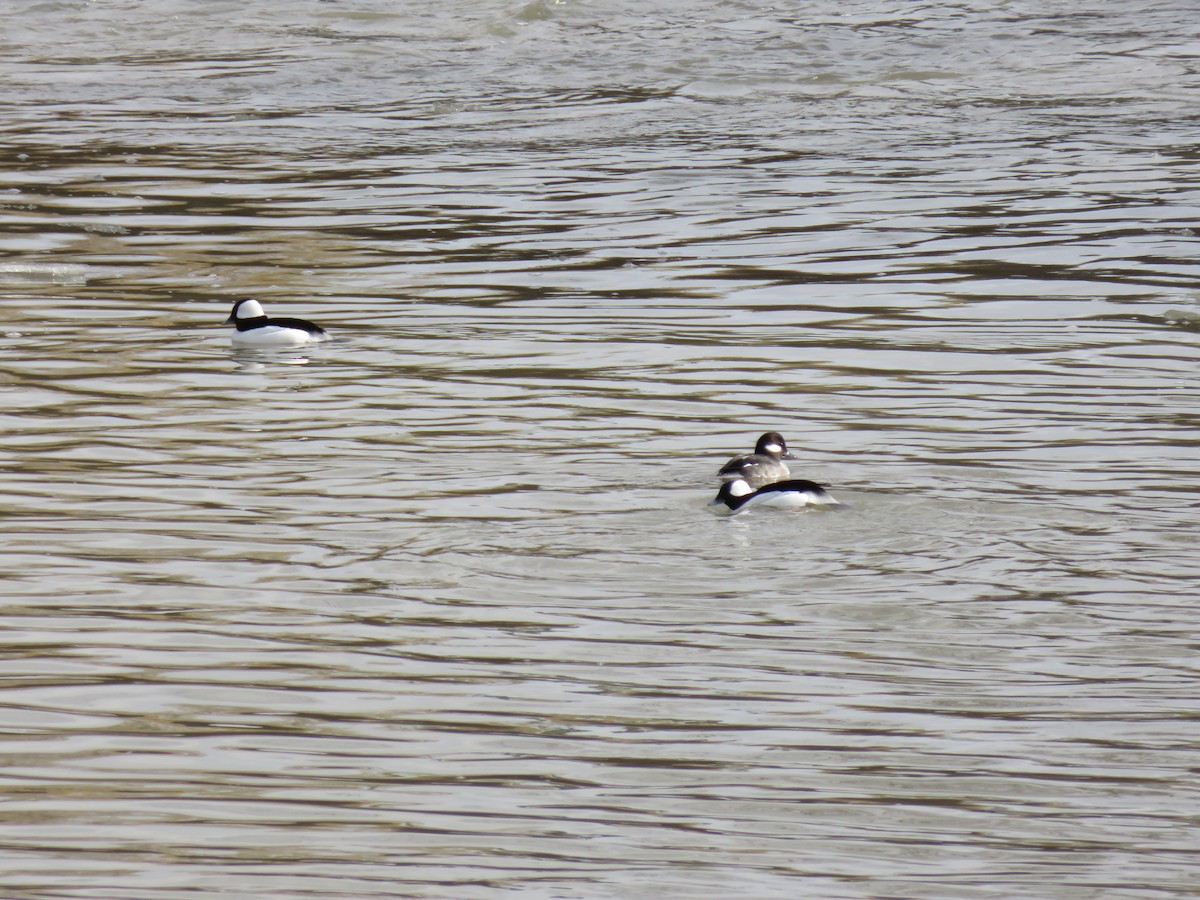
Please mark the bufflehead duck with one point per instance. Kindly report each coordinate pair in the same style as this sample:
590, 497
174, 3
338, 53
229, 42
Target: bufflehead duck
254, 329
736, 495
762, 467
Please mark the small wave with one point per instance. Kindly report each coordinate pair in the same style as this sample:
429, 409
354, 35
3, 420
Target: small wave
42, 273
1187, 318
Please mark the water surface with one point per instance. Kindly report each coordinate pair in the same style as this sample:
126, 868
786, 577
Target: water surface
437, 609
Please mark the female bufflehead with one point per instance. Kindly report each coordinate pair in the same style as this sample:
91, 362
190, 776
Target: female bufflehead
762, 467
254, 329
736, 495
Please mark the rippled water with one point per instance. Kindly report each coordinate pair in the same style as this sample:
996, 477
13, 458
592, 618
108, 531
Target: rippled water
437, 609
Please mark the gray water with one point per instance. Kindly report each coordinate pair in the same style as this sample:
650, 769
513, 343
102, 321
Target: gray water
437, 609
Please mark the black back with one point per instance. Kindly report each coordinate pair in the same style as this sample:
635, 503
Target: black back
249, 324
800, 485
302, 324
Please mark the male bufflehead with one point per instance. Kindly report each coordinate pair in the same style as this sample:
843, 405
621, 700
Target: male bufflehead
737, 495
254, 329
762, 467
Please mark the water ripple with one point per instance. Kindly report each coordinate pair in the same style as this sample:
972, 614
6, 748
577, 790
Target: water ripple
437, 607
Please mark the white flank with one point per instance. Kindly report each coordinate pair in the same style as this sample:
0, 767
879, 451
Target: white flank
794, 499
787, 499
274, 336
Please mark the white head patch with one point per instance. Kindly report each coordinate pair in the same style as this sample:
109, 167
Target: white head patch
773, 448
739, 487
250, 309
